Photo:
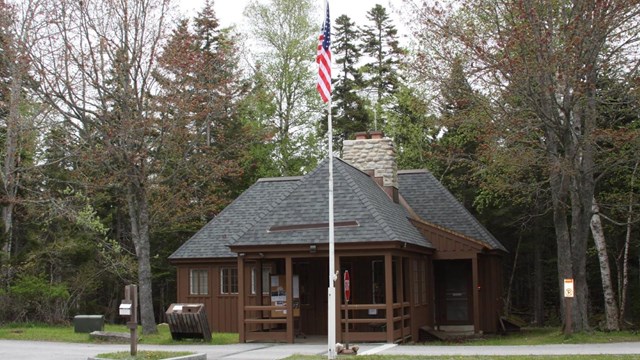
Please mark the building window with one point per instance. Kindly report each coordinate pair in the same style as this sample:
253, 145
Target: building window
266, 275
199, 280
229, 280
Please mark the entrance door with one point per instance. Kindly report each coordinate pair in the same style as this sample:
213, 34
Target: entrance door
313, 295
453, 292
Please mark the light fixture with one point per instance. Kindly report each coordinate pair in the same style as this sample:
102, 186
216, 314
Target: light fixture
312, 249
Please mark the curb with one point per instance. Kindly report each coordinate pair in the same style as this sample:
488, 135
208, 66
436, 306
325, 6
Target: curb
198, 356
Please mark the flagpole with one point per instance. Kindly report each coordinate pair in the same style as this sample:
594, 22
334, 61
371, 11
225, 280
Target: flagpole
331, 323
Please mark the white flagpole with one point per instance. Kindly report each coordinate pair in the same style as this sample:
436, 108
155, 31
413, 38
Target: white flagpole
331, 323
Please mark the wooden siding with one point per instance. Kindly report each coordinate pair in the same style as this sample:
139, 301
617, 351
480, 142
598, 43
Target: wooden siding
490, 289
222, 310
400, 308
449, 245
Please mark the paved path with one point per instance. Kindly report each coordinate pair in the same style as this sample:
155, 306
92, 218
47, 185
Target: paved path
36, 350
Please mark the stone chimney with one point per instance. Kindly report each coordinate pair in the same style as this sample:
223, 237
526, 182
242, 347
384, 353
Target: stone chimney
374, 154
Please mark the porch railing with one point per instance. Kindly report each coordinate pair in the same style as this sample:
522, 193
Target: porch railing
261, 326
367, 323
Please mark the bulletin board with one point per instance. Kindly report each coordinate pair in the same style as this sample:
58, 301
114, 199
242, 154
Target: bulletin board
278, 291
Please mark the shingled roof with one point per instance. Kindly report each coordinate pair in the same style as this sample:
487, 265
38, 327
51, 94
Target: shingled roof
279, 211
213, 239
435, 204
357, 199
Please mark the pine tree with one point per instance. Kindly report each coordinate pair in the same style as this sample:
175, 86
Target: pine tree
462, 121
351, 115
380, 44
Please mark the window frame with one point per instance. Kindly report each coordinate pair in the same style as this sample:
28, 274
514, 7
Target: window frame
267, 270
200, 278
227, 283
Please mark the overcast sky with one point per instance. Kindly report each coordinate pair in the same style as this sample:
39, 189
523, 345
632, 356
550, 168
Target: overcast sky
229, 12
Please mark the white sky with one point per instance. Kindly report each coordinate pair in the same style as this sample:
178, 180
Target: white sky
229, 12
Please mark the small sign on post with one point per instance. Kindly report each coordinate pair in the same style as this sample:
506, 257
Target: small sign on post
568, 299
129, 308
568, 288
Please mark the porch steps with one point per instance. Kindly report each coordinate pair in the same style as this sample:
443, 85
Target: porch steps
429, 334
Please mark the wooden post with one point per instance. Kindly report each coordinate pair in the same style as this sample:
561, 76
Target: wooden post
131, 294
400, 293
568, 299
477, 328
388, 283
567, 311
289, 287
242, 288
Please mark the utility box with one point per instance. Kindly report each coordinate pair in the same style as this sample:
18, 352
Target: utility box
188, 321
88, 323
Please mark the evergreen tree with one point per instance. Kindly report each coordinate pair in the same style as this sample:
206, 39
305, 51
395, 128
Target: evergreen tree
463, 124
351, 115
380, 44
411, 127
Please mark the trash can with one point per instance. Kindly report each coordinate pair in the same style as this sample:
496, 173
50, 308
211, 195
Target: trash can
88, 323
188, 321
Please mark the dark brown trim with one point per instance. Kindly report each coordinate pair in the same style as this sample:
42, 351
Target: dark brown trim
475, 294
476, 244
294, 227
194, 261
321, 250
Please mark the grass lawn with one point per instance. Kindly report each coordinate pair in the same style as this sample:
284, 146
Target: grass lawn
542, 336
40, 332
538, 336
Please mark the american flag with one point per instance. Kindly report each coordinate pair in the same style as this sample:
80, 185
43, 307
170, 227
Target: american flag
324, 59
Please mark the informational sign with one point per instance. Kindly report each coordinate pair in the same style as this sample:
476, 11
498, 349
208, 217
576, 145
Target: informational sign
568, 288
279, 295
347, 286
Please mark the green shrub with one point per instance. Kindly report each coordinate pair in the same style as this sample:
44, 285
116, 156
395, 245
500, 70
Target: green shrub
34, 299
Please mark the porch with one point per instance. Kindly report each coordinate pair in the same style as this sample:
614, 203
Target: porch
293, 302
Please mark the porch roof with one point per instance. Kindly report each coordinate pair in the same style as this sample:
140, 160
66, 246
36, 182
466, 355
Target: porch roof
430, 200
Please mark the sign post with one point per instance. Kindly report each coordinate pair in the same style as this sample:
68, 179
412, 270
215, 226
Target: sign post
347, 296
568, 300
131, 297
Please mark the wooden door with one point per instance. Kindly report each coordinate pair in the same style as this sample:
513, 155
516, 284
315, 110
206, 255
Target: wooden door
454, 298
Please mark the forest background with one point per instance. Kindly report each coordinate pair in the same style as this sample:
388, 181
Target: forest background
125, 127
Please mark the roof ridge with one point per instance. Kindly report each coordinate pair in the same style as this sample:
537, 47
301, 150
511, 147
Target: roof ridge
367, 202
248, 225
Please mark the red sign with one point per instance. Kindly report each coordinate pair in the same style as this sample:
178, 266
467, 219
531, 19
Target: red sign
347, 286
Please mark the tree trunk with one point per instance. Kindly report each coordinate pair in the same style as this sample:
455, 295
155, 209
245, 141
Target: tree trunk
139, 214
610, 304
563, 240
627, 243
10, 176
507, 303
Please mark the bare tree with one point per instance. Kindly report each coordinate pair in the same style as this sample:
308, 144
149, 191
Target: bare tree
17, 26
94, 63
547, 56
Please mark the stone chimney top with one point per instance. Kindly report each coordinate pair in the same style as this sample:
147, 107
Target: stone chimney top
375, 153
